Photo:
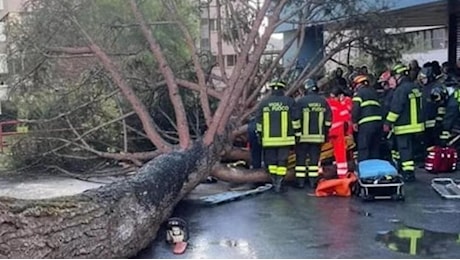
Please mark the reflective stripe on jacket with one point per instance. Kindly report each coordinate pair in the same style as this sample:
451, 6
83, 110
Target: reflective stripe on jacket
275, 121
341, 114
366, 106
406, 111
315, 118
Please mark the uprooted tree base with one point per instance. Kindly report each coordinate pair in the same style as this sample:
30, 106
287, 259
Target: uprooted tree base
116, 220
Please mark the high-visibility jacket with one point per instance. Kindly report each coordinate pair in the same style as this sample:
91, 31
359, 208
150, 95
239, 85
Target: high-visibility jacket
341, 115
452, 114
406, 111
433, 112
275, 121
315, 118
366, 106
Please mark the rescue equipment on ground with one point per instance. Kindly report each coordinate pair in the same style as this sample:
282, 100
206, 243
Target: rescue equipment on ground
233, 195
378, 179
336, 187
177, 234
446, 187
441, 160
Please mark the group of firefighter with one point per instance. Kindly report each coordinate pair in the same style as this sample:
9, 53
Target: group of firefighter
402, 106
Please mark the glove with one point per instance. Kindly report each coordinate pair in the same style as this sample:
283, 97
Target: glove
444, 138
259, 138
355, 127
297, 137
386, 128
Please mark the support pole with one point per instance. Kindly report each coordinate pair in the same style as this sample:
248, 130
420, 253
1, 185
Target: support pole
452, 31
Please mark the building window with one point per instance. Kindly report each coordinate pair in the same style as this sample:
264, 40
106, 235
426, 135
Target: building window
439, 38
205, 44
213, 25
2, 32
3, 64
231, 60
1, 5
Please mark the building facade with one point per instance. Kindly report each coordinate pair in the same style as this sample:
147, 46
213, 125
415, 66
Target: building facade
209, 38
9, 9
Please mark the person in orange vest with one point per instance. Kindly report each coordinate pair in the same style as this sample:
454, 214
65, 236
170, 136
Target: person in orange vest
341, 126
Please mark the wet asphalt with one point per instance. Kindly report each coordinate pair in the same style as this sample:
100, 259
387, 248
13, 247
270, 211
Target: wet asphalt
295, 225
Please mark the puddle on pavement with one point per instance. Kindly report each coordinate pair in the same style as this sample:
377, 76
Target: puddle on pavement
419, 242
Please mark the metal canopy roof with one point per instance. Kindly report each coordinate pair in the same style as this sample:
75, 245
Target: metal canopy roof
408, 13
428, 14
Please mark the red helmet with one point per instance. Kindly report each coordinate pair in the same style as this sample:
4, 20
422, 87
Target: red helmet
385, 77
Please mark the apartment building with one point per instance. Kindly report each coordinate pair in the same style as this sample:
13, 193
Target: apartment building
209, 38
9, 9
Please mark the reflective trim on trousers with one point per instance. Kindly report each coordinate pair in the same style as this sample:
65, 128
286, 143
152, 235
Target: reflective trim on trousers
408, 166
273, 169
313, 171
281, 171
342, 171
300, 171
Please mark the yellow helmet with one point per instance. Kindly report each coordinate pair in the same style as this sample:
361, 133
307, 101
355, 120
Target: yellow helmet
277, 84
360, 79
400, 69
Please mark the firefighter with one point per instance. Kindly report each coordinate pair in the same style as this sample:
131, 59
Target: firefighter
433, 108
367, 119
341, 118
405, 118
452, 109
315, 122
276, 127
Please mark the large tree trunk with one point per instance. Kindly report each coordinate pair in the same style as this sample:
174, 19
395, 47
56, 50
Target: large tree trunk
116, 220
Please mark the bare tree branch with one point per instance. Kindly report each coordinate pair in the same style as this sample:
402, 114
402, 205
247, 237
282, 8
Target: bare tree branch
196, 87
220, 52
61, 115
219, 115
241, 80
181, 119
196, 63
128, 92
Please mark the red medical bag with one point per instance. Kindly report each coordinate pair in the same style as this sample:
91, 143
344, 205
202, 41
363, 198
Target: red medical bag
441, 159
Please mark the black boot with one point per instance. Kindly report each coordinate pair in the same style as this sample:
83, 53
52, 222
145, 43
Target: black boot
278, 183
313, 182
300, 182
409, 177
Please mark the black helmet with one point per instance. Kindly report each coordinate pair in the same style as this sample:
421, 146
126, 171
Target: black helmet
451, 82
438, 94
310, 85
336, 91
427, 72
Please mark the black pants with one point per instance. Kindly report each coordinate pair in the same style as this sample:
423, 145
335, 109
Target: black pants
431, 136
276, 159
368, 141
405, 144
256, 147
312, 151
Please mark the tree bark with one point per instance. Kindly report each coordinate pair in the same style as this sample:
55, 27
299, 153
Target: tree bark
116, 220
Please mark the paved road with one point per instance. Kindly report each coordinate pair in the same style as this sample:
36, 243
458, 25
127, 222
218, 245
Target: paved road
294, 225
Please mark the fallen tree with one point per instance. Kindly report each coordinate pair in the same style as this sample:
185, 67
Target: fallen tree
115, 221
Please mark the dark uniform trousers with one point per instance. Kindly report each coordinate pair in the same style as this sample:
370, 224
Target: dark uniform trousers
276, 159
312, 151
431, 135
368, 141
405, 144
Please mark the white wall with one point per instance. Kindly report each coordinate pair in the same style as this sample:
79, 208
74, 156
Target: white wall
423, 57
